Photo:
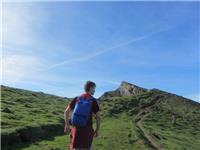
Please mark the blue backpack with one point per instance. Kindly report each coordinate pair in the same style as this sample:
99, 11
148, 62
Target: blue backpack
81, 112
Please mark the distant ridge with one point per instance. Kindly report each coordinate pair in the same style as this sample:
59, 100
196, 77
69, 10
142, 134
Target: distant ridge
129, 89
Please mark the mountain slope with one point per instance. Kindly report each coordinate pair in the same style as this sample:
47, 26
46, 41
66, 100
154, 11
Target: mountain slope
163, 120
136, 119
29, 116
142, 121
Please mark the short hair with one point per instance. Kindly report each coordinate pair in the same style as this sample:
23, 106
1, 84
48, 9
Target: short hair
88, 85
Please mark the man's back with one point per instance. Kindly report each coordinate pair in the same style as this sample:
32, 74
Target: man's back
82, 137
94, 107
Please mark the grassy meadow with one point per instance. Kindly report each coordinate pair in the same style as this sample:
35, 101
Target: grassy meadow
34, 120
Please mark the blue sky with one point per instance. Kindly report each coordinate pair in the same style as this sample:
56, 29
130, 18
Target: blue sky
55, 47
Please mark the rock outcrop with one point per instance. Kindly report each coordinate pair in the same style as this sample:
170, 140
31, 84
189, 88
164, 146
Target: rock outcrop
125, 89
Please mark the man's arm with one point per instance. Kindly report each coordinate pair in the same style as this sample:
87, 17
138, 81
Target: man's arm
66, 117
97, 117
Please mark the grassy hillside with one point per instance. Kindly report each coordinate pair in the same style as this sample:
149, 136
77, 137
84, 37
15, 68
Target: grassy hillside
143, 121
29, 116
152, 114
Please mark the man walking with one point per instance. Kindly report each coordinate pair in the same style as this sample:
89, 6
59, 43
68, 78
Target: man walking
81, 136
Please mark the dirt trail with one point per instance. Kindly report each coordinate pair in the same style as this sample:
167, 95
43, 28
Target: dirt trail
143, 130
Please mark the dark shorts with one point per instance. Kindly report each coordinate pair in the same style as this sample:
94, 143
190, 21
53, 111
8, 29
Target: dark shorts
81, 137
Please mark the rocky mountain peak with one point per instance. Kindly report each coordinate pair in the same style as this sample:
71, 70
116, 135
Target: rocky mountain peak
127, 89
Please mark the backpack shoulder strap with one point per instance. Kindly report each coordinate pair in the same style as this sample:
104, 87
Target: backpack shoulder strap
78, 98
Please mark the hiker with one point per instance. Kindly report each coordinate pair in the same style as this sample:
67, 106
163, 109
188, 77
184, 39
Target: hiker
82, 132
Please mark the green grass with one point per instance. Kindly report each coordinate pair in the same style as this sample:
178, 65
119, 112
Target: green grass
28, 116
115, 133
31, 111
20, 108
184, 134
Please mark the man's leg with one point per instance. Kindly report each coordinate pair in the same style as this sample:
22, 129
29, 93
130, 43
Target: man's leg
90, 147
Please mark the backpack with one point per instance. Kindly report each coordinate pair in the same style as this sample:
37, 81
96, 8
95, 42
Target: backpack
81, 112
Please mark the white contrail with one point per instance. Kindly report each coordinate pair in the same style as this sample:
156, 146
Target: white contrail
100, 52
